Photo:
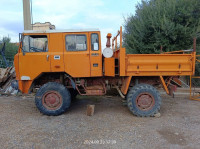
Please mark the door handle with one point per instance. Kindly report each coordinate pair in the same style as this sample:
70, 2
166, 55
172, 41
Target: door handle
47, 57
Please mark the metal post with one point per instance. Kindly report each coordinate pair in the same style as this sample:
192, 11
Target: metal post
27, 15
116, 44
121, 37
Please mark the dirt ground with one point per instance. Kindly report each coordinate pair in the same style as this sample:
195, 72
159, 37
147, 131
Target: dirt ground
112, 126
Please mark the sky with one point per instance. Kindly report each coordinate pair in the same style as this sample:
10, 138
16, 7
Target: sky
106, 15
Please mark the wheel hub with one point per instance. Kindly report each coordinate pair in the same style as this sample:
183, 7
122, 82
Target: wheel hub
145, 101
52, 100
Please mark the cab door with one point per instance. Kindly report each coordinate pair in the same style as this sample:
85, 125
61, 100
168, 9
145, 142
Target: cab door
95, 54
56, 52
33, 60
77, 54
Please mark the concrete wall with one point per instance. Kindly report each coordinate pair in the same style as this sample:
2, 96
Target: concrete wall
43, 26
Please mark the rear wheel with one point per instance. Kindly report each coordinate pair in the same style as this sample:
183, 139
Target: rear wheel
53, 99
144, 100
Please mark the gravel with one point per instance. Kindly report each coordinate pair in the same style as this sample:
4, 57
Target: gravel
112, 126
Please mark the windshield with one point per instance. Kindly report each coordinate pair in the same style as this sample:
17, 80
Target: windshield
35, 43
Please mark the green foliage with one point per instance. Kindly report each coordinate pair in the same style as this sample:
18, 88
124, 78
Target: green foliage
6, 39
171, 24
10, 51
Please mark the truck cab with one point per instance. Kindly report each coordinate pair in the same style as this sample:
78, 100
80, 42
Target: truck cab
76, 52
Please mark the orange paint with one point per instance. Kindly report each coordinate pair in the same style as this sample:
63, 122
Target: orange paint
109, 67
88, 62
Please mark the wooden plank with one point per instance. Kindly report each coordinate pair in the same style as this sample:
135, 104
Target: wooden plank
2, 73
90, 110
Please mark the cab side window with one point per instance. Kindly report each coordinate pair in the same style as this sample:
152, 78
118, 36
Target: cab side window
76, 42
95, 42
35, 43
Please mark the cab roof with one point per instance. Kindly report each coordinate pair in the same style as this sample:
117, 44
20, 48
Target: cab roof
62, 31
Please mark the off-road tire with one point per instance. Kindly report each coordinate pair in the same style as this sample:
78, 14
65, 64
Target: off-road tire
126, 96
133, 95
57, 88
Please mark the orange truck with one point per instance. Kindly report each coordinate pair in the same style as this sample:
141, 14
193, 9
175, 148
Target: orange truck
61, 64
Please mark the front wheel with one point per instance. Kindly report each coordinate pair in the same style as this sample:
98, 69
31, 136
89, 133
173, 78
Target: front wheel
53, 99
143, 100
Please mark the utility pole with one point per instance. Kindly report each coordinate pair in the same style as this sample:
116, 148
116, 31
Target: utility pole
27, 15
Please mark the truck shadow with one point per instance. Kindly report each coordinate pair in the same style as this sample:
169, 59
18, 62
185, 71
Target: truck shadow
103, 104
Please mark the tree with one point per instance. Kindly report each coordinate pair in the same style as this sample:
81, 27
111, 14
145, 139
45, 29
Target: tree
170, 24
6, 39
11, 50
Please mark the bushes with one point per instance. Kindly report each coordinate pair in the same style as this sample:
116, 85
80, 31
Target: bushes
11, 50
168, 23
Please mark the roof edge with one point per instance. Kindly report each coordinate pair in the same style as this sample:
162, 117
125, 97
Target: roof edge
61, 31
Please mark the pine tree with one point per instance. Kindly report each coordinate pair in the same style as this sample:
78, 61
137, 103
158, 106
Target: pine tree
170, 24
